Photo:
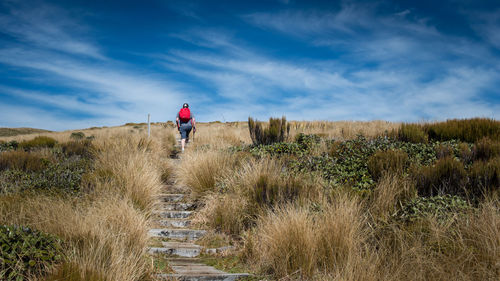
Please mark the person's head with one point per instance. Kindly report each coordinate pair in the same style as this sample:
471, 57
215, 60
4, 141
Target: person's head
185, 105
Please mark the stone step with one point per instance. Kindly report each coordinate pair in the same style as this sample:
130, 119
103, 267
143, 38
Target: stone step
176, 206
175, 223
175, 189
219, 250
172, 197
181, 249
181, 234
203, 277
193, 269
174, 214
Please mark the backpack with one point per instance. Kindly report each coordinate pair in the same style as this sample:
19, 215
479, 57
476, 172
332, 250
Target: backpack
185, 115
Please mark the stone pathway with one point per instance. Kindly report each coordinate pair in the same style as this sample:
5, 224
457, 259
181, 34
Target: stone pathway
175, 212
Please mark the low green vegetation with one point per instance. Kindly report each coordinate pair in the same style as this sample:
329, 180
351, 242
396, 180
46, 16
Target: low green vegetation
25, 252
410, 201
41, 164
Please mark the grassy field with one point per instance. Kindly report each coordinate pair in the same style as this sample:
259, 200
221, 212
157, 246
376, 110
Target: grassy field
8, 132
333, 201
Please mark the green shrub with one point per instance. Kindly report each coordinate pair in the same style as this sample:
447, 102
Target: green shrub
38, 142
25, 252
447, 176
441, 207
412, 133
307, 142
22, 160
279, 148
4, 146
468, 130
485, 149
77, 136
277, 131
484, 177
64, 176
390, 161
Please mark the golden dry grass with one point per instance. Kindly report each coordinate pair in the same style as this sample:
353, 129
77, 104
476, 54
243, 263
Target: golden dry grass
201, 169
104, 229
345, 238
391, 191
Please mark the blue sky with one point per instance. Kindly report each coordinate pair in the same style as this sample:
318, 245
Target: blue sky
78, 64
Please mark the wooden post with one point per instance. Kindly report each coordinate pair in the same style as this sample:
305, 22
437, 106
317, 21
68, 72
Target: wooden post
149, 125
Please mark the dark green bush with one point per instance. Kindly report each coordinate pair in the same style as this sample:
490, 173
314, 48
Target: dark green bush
412, 133
26, 253
484, 177
447, 176
307, 142
64, 176
347, 164
77, 136
468, 130
302, 145
485, 149
38, 142
441, 207
277, 131
22, 160
4, 146
279, 148
389, 161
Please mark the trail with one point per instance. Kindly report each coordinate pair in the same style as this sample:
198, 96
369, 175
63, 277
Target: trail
175, 212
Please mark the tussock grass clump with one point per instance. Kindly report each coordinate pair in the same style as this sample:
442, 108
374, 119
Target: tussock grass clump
266, 183
413, 133
227, 213
447, 176
293, 241
284, 243
341, 232
82, 148
21, 160
250, 191
391, 192
468, 130
465, 153
201, 170
484, 178
106, 236
389, 161
128, 166
277, 131
485, 149
38, 142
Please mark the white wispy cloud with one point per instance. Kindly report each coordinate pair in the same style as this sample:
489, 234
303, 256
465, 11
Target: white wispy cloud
417, 73
48, 45
393, 66
46, 26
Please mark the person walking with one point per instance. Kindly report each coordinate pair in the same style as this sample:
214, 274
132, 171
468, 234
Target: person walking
185, 123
